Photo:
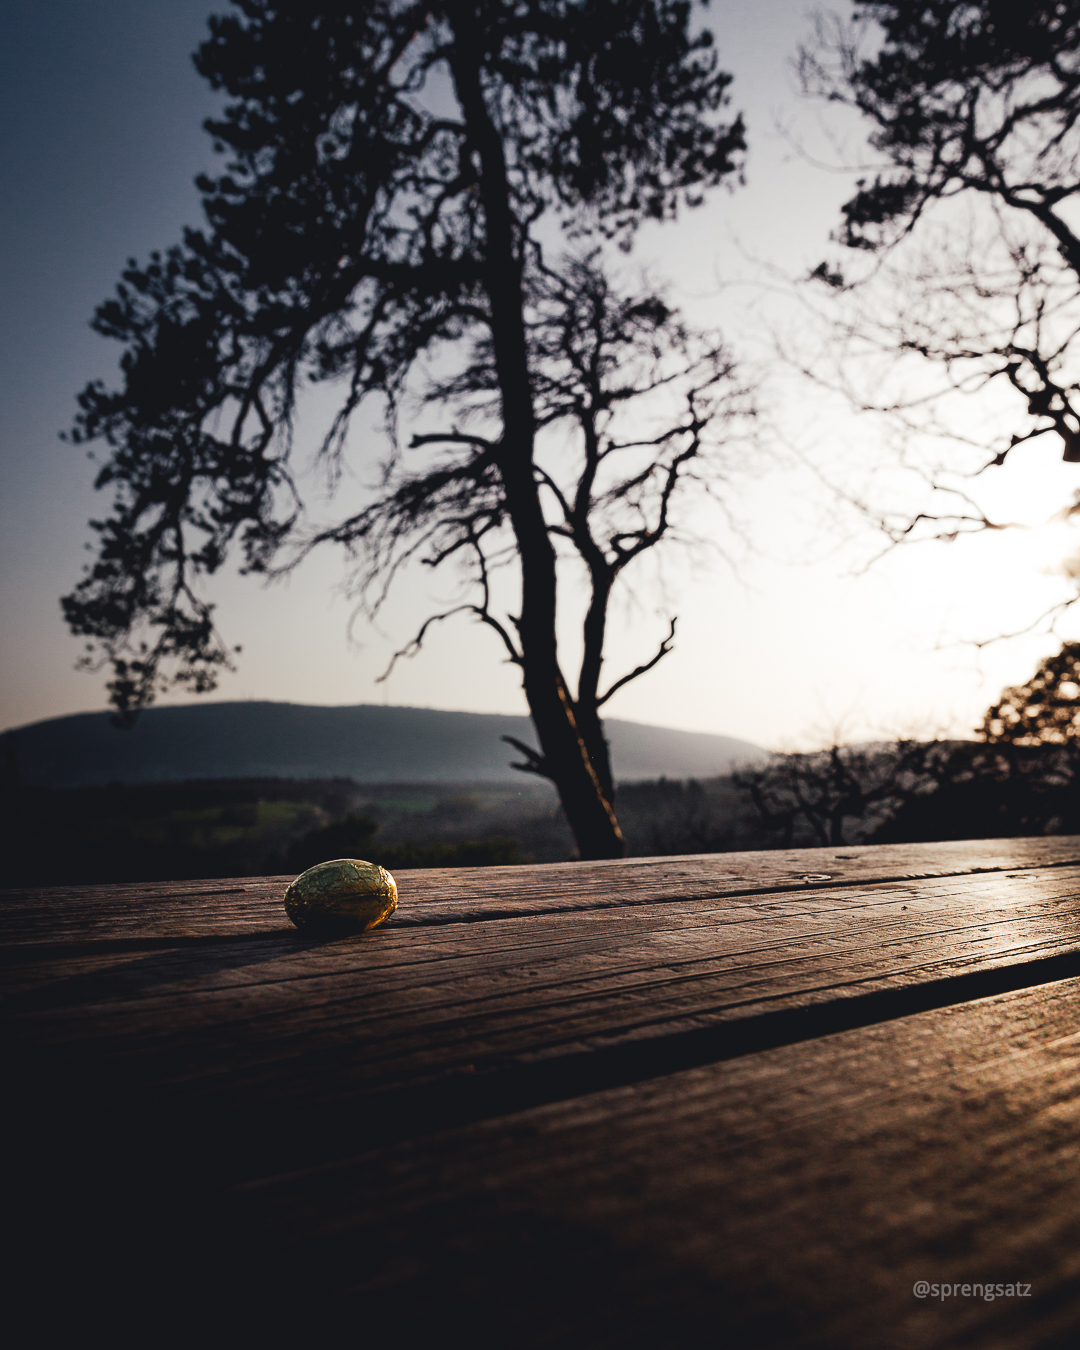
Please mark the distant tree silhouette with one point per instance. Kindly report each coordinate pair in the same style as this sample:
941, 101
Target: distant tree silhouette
817, 793
976, 791
353, 836
666, 816
393, 168
971, 229
1043, 712
1020, 778
349, 837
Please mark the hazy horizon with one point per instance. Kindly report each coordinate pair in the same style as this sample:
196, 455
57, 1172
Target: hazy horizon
421, 707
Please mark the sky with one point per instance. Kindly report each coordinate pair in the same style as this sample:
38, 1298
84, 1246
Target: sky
793, 638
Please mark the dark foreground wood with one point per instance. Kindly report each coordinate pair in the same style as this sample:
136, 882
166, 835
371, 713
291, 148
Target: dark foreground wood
729, 1100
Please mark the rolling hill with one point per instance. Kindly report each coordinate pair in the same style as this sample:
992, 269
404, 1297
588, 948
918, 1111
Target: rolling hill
367, 742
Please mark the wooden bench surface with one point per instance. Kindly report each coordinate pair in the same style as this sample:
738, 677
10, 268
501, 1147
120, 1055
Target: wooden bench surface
732, 1099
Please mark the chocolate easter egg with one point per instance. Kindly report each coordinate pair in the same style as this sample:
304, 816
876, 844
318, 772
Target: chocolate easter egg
345, 895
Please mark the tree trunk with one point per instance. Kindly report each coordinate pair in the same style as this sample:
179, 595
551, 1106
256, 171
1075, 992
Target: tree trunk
588, 715
565, 756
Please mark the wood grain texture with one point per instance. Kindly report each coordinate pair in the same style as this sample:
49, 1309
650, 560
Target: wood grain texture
234, 907
246, 1024
788, 1199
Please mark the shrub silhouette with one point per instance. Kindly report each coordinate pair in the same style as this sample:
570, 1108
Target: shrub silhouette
353, 837
349, 837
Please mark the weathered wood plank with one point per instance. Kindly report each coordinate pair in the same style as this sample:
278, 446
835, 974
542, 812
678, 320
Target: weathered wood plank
790, 1198
210, 908
245, 1025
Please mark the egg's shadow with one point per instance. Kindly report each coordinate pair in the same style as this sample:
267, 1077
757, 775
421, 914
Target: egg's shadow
177, 963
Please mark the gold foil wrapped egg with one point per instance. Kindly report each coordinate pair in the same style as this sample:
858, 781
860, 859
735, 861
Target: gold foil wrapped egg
346, 895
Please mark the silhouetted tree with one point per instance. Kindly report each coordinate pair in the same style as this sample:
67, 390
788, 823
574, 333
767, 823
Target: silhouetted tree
975, 255
1019, 778
976, 791
1043, 712
820, 791
392, 168
963, 95
637, 398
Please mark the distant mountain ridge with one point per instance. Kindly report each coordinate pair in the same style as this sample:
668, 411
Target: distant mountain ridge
366, 742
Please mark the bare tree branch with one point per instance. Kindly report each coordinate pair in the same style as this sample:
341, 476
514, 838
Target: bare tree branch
664, 648
533, 762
